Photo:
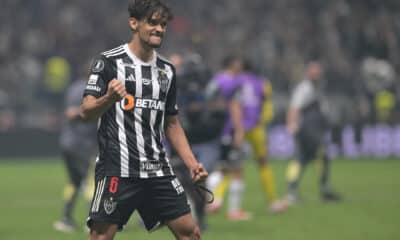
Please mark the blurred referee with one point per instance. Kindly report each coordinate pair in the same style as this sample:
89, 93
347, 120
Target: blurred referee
78, 145
307, 122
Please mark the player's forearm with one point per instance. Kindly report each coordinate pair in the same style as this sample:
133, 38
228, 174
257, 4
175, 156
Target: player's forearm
292, 116
177, 138
92, 108
292, 119
235, 112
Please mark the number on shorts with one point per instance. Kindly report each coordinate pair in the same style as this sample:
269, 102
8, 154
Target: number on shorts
114, 185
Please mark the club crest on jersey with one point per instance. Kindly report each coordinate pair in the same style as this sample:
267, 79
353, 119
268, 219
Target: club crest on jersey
98, 66
146, 81
163, 80
110, 205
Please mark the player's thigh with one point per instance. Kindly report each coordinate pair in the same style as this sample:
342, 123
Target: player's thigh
77, 167
103, 231
165, 201
114, 200
257, 140
308, 144
184, 227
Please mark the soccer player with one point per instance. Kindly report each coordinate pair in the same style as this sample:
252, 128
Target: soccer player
78, 144
226, 84
307, 122
256, 110
132, 91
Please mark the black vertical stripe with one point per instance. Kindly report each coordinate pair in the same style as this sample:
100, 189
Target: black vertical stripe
147, 93
162, 156
129, 121
112, 148
163, 96
109, 148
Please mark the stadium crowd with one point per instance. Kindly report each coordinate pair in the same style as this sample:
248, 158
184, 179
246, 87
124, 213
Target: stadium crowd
47, 43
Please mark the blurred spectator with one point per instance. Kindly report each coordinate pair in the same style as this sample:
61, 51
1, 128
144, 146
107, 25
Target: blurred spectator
283, 34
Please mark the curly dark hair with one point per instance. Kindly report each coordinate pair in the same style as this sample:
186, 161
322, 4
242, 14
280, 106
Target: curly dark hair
144, 9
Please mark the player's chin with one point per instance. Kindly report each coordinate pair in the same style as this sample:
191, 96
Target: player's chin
155, 44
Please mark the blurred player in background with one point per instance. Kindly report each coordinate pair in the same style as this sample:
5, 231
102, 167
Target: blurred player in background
133, 91
308, 123
78, 145
203, 120
256, 111
226, 84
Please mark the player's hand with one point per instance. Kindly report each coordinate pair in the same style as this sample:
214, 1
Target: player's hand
72, 113
116, 90
198, 173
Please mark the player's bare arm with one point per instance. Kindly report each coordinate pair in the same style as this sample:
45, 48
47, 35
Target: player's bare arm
93, 108
292, 120
235, 112
72, 113
177, 138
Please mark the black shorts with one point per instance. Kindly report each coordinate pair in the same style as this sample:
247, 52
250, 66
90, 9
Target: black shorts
77, 166
309, 141
156, 199
231, 157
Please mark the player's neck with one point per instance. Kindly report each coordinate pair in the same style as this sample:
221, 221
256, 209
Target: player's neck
230, 72
144, 53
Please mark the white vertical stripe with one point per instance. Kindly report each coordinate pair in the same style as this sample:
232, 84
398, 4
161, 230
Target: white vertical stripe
138, 121
102, 184
170, 74
98, 123
97, 198
124, 153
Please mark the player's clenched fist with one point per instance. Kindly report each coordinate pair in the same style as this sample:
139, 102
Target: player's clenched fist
116, 90
198, 173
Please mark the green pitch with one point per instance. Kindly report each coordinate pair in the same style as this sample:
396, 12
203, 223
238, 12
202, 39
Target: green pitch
30, 200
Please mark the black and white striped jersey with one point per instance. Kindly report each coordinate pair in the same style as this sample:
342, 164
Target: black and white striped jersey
130, 133
307, 97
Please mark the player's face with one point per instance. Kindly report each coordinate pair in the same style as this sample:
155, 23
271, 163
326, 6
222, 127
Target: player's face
151, 31
315, 71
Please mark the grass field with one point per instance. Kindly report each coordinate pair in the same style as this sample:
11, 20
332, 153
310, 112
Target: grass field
30, 200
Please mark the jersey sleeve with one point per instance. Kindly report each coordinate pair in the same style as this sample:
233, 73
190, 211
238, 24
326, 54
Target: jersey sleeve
301, 96
171, 106
99, 77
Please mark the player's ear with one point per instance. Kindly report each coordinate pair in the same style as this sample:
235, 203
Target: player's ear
133, 23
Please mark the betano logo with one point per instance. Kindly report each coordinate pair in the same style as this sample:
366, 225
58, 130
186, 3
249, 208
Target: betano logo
129, 102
